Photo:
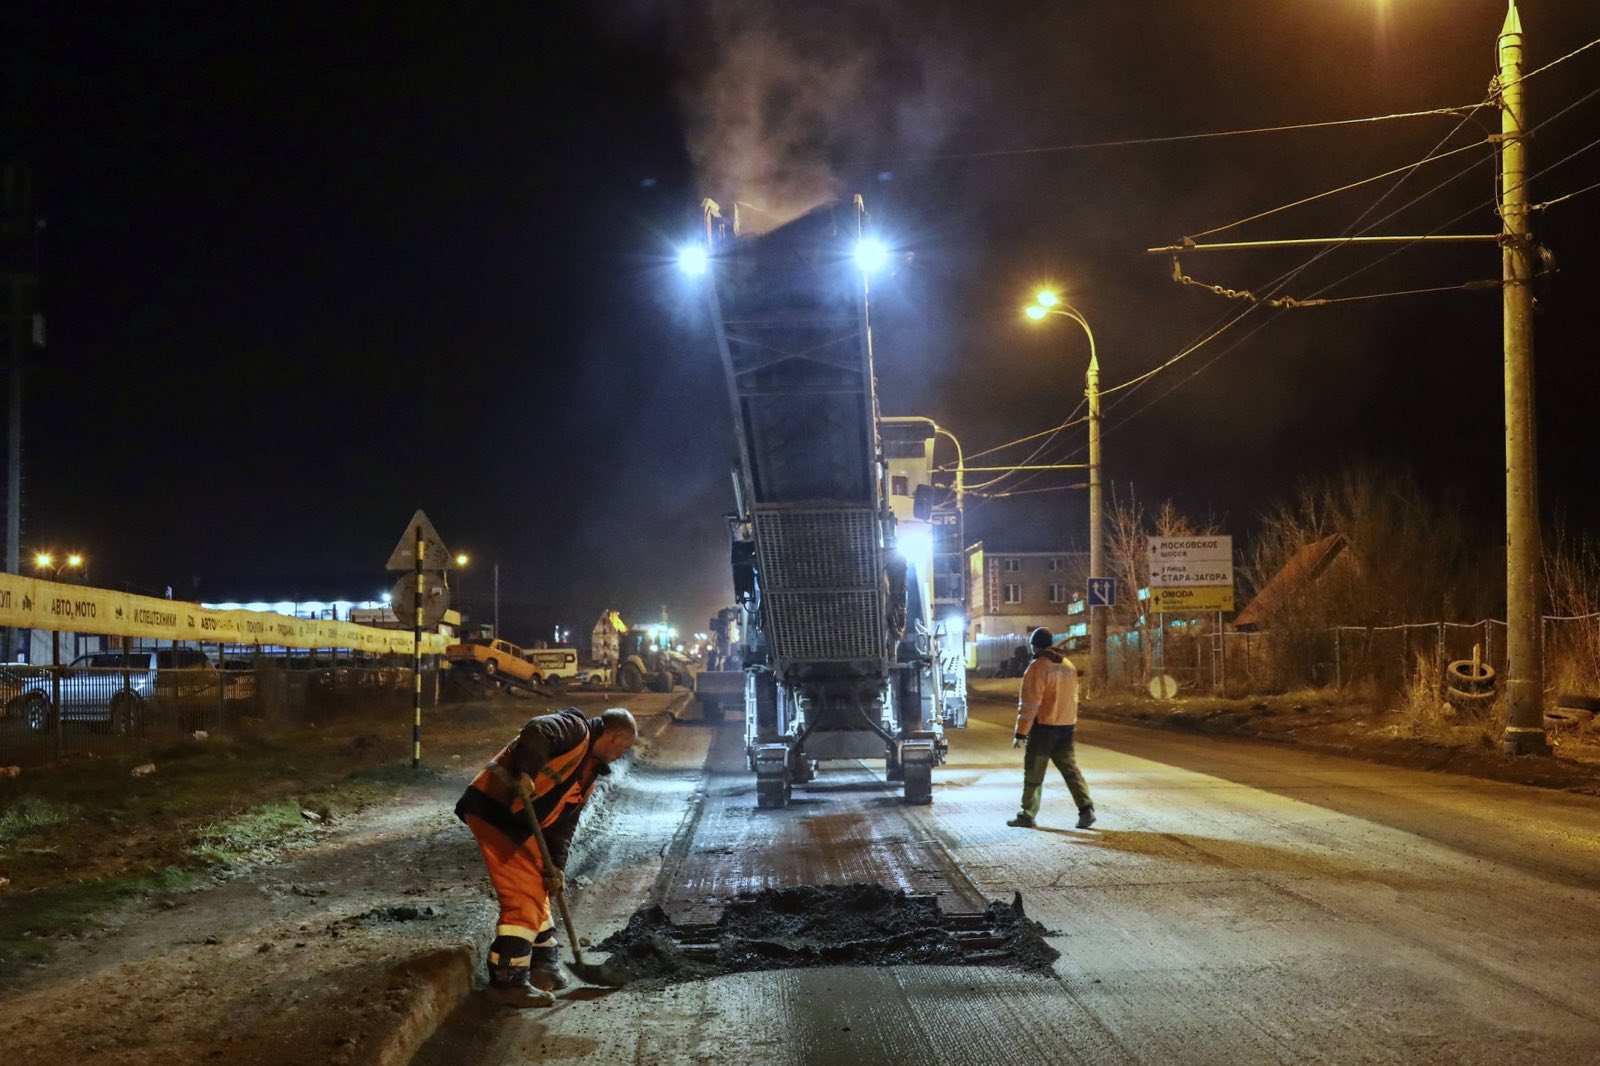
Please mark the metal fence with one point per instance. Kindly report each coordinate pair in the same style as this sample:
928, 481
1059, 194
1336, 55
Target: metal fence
127, 700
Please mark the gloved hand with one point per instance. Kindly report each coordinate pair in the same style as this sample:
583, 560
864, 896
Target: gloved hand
1018, 739
555, 881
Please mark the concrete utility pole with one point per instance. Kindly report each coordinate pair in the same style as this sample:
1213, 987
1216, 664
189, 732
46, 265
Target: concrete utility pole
1524, 733
19, 233
1097, 615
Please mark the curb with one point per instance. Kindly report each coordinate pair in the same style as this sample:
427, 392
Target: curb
438, 981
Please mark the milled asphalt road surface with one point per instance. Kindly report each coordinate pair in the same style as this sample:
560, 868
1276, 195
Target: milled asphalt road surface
1237, 903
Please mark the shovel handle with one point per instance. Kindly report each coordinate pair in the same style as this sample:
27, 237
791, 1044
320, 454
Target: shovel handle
525, 789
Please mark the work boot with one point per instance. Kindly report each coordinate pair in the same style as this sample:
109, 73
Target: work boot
1085, 816
545, 970
509, 959
1022, 821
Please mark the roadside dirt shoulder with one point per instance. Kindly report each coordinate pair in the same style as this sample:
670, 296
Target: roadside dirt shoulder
346, 948
1324, 722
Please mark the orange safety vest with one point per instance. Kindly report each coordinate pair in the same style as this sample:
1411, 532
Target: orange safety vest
558, 786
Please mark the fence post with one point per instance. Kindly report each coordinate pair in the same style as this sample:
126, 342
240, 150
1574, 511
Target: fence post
1222, 642
222, 687
57, 730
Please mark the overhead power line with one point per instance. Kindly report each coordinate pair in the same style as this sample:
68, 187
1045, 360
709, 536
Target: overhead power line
1563, 199
1347, 277
1276, 286
1332, 192
1068, 424
1178, 138
1557, 62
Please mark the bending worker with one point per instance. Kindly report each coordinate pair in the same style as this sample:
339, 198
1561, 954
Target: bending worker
1047, 716
564, 754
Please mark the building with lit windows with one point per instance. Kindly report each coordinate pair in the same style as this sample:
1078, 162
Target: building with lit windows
1009, 593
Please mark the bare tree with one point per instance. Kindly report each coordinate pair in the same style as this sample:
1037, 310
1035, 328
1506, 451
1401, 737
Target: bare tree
1128, 533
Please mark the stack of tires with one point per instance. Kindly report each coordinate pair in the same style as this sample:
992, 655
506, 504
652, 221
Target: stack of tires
1469, 686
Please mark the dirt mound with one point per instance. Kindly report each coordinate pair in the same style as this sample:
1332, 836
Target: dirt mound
841, 925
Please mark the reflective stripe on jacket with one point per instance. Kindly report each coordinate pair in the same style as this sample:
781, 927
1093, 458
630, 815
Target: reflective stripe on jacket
1049, 693
554, 751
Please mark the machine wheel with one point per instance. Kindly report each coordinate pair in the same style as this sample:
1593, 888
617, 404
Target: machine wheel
491, 667
661, 682
35, 713
630, 677
919, 784
554, 682
772, 791
801, 769
127, 715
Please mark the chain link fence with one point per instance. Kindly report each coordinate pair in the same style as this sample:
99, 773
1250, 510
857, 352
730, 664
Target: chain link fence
1202, 657
128, 700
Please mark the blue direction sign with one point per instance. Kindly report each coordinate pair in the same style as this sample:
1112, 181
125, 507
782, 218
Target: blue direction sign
1102, 592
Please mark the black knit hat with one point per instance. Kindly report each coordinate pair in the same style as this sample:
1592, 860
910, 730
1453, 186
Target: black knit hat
1041, 638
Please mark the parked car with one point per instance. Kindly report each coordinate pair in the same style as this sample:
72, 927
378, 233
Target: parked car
113, 689
496, 658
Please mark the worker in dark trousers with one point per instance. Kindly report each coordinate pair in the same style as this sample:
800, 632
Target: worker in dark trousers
1047, 716
564, 754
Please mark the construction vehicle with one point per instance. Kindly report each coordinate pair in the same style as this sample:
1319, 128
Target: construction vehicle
719, 685
842, 658
640, 656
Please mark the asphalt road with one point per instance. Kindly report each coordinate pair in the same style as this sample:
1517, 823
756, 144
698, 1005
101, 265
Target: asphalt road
1237, 903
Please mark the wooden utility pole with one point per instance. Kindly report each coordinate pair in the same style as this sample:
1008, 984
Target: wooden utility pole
1524, 732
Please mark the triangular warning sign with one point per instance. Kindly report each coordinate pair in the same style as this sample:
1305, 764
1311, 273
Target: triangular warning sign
435, 556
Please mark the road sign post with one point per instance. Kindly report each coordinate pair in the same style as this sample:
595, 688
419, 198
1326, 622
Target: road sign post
416, 657
419, 545
1192, 575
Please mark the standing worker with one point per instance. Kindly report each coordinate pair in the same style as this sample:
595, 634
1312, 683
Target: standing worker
1047, 716
564, 754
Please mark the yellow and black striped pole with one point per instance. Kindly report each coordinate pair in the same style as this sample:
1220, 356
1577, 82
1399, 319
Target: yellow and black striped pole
416, 661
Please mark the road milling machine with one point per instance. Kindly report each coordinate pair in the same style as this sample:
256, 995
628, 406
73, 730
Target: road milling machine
844, 658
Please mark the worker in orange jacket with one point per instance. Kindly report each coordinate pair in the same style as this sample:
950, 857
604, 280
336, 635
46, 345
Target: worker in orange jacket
1047, 717
564, 754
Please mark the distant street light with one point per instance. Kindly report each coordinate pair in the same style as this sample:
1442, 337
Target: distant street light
47, 561
461, 561
1046, 303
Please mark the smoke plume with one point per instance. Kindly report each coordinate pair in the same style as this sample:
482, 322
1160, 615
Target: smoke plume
791, 102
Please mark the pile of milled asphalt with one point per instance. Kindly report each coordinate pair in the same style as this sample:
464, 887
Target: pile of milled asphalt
838, 925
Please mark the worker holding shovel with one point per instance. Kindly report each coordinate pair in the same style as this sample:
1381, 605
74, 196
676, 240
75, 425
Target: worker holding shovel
555, 761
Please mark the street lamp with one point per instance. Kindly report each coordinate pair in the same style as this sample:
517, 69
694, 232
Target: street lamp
47, 561
461, 560
1047, 303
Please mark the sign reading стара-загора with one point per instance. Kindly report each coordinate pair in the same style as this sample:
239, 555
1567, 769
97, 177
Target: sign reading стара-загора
1191, 573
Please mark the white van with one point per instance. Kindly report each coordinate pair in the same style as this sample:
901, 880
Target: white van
552, 663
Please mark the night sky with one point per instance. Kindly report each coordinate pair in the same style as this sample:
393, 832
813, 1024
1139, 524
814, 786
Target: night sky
306, 270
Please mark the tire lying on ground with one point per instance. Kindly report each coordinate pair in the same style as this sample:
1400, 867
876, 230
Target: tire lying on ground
1469, 688
1460, 674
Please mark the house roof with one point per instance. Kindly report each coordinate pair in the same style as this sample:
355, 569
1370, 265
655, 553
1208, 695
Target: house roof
1303, 567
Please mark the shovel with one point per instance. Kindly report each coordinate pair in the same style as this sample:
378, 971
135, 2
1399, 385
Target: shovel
595, 973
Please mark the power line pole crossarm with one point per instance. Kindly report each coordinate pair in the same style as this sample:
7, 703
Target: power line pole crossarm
1524, 731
